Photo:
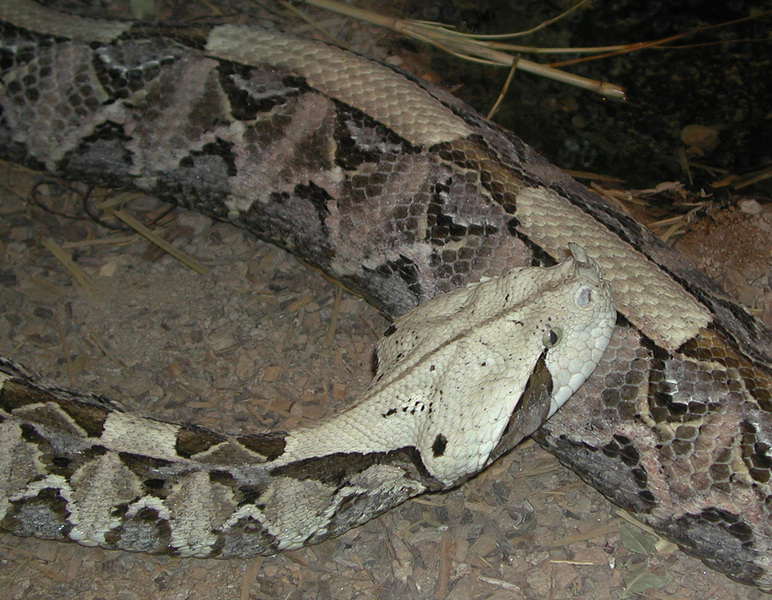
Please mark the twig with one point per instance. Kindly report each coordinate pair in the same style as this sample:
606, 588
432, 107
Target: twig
105, 350
503, 92
471, 47
160, 242
77, 273
485, 49
330, 335
447, 547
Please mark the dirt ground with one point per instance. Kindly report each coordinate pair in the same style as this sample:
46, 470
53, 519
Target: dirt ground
261, 341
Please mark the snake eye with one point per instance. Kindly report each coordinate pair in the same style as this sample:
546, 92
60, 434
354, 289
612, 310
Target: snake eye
552, 337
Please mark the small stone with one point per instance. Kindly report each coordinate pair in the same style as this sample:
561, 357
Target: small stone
750, 207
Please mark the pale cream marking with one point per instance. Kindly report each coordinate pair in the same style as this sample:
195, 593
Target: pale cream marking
30, 410
377, 91
129, 433
646, 295
149, 502
98, 486
295, 510
246, 511
35, 487
197, 504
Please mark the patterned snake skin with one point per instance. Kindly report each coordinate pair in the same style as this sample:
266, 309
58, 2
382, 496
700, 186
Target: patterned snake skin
402, 193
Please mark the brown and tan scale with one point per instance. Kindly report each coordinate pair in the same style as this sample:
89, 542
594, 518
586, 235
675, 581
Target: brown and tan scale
700, 362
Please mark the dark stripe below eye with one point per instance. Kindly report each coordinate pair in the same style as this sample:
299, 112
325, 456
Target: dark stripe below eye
531, 411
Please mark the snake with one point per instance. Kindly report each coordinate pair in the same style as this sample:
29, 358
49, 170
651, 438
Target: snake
414, 201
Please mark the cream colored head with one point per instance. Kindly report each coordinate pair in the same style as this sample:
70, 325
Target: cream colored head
579, 327
457, 372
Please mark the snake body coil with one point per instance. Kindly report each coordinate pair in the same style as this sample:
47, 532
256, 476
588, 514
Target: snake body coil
402, 193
